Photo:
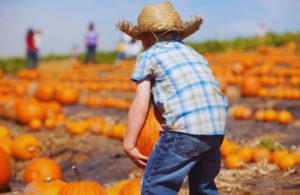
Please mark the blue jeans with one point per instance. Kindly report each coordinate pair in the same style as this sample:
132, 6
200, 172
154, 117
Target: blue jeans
177, 155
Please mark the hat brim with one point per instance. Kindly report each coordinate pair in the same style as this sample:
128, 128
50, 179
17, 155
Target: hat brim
186, 29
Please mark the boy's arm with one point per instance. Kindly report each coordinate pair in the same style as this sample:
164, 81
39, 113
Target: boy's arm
136, 118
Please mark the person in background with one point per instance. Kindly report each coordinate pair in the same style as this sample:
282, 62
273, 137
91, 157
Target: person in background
38, 43
132, 48
74, 52
91, 40
31, 51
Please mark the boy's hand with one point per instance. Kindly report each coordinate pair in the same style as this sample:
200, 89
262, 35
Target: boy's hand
134, 154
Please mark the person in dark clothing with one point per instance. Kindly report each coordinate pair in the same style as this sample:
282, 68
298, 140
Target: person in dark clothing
91, 40
31, 51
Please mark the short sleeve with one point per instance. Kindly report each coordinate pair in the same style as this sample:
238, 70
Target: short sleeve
143, 69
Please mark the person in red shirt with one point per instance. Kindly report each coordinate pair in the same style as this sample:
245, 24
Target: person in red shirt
31, 53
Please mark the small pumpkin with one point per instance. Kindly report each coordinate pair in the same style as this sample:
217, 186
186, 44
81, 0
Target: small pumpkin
29, 110
250, 86
5, 170
245, 153
4, 131
25, 147
45, 92
115, 189
261, 154
277, 154
284, 117
50, 123
67, 96
234, 161
35, 124
42, 168
286, 162
46, 186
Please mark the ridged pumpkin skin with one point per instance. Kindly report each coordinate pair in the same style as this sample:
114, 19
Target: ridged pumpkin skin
149, 134
132, 187
5, 169
47, 186
25, 147
42, 168
82, 187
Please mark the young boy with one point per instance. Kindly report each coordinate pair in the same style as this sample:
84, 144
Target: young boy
188, 98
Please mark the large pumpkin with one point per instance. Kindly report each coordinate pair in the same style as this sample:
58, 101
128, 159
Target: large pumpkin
5, 170
25, 147
46, 186
250, 86
29, 110
149, 134
82, 187
40, 169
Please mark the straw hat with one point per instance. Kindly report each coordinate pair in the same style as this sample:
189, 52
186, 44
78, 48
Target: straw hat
160, 18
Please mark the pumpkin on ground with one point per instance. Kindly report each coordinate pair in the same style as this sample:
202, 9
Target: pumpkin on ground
286, 162
45, 92
25, 147
149, 134
5, 170
132, 187
250, 86
284, 117
4, 131
261, 154
245, 153
46, 186
40, 169
67, 96
234, 161
35, 124
29, 110
82, 187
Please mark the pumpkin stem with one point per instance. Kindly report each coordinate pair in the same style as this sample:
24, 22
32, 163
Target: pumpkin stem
31, 149
77, 173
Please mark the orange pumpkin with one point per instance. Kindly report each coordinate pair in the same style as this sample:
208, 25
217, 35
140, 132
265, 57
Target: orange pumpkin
149, 134
132, 187
228, 148
5, 170
4, 131
245, 154
35, 124
25, 147
233, 161
67, 96
250, 86
29, 110
40, 169
50, 123
286, 161
270, 115
82, 187
261, 154
277, 154
45, 92
284, 117
46, 186
6, 144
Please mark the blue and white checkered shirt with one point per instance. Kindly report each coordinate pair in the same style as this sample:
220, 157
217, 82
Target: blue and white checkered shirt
184, 89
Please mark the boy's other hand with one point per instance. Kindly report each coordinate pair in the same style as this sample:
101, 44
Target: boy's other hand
134, 154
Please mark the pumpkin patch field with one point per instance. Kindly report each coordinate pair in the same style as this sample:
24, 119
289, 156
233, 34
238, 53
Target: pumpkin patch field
62, 125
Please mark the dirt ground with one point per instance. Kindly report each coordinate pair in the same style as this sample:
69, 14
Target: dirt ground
103, 160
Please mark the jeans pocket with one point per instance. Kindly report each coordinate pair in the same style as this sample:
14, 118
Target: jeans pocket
189, 146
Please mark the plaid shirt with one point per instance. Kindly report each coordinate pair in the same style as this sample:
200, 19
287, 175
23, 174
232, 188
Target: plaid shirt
184, 89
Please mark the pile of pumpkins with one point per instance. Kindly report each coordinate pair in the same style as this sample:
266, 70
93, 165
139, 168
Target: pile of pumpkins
96, 126
244, 112
236, 156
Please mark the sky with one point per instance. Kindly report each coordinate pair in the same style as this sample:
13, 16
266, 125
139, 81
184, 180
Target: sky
64, 22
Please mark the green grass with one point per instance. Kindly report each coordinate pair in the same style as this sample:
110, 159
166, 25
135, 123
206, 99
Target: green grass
10, 65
